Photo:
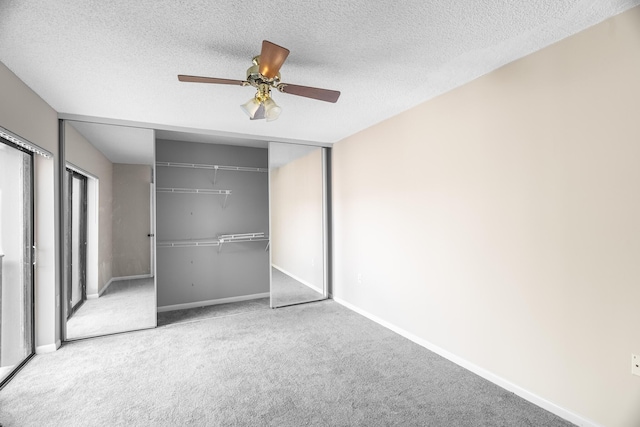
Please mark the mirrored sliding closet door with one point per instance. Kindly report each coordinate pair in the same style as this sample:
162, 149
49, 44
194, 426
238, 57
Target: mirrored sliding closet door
298, 210
109, 278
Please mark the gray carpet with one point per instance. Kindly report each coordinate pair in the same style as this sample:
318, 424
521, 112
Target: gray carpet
315, 364
125, 305
211, 311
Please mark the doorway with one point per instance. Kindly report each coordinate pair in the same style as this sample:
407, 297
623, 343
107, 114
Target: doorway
76, 242
16, 255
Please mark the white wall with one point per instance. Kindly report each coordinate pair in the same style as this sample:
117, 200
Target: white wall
80, 153
28, 116
500, 222
131, 220
296, 218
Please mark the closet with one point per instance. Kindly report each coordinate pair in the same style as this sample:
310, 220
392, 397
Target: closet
212, 224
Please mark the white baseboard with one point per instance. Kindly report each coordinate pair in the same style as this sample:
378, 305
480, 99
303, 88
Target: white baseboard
116, 279
48, 348
507, 385
211, 302
293, 276
139, 276
101, 291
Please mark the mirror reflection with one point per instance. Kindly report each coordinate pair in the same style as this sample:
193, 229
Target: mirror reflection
109, 283
297, 202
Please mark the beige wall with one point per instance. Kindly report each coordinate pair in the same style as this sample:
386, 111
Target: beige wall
500, 222
296, 218
131, 220
85, 156
27, 115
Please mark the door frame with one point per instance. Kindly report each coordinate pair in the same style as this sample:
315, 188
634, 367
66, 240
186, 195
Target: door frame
70, 174
30, 270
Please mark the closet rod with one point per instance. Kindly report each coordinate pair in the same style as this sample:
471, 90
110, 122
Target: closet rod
216, 167
193, 190
240, 238
226, 193
214, 242
188, 243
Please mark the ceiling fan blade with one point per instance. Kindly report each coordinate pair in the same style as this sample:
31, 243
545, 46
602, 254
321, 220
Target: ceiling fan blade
197, 79
272, 57
310, 92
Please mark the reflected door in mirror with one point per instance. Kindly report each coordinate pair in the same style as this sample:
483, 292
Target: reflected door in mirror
75, 241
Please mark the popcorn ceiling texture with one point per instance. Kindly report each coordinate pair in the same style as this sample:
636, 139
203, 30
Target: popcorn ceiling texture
119, 59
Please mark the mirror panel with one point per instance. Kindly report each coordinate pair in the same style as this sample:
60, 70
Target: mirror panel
108, 229
76, 240
297, 176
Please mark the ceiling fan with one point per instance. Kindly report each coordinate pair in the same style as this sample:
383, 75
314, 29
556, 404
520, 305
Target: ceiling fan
264, 75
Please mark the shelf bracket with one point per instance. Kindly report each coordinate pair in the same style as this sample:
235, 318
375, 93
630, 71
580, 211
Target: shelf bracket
226, 196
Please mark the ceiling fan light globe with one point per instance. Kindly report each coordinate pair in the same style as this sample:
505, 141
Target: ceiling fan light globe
273, 113
250, 107
271, 110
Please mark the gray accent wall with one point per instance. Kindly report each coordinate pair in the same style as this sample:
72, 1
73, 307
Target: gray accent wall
187, 275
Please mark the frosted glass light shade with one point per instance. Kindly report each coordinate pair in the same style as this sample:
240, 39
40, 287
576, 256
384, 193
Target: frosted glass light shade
250, 107
271, 110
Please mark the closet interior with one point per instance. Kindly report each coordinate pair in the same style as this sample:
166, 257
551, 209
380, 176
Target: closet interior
212, 229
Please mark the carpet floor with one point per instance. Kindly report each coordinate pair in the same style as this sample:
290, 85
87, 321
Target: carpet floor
125, 305
211, 311
316, 364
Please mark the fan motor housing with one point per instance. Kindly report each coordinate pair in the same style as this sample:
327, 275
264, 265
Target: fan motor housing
254, 78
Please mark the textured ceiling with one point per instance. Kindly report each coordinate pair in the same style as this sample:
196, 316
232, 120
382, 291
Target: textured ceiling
119, 59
